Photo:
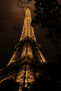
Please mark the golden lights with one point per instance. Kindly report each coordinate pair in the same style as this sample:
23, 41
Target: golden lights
26, 75
28, 30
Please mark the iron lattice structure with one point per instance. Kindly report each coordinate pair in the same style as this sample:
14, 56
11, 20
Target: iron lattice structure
24, 66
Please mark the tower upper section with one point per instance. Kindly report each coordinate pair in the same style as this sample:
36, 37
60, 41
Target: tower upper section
27, 30
28, 13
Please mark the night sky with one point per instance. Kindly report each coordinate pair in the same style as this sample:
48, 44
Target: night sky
11, 23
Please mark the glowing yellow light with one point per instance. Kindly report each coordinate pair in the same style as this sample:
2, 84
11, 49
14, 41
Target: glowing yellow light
26, 76
28, 30
42, 60
29, 53
12, 59
23, 52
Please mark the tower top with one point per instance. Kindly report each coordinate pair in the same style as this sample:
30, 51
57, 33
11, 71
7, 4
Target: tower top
28, 13
28, 30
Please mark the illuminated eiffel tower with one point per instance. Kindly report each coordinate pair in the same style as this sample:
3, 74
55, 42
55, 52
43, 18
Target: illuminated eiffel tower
23, 66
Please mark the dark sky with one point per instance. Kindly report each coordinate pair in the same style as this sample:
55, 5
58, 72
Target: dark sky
11, 23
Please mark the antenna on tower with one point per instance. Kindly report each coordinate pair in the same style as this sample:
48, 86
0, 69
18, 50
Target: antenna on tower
24, 3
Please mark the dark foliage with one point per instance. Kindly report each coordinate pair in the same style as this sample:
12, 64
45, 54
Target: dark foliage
48, 13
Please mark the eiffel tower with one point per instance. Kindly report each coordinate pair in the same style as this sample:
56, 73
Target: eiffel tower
24, 65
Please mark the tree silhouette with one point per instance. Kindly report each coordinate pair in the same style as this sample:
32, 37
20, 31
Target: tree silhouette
48, 13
